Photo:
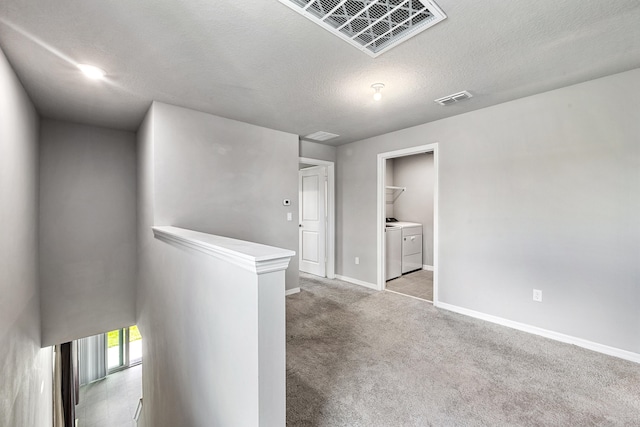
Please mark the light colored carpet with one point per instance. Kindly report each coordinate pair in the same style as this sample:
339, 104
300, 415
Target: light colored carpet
357, 357
418, 284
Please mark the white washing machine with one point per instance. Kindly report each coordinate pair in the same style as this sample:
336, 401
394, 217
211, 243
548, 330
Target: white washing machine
411, 253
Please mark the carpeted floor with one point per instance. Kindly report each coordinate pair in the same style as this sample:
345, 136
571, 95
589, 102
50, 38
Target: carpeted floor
418, 284
357, 357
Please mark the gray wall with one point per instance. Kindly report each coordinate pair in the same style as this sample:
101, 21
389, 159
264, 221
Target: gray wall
313, 150
542, 192
87, 230
223, 177
416, 204
227, 178
25, 386
155, 338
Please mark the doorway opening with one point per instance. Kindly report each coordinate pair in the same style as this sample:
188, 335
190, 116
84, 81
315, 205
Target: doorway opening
407, 222
316, 203
109, 374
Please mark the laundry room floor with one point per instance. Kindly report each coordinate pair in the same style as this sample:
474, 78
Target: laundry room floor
418, 284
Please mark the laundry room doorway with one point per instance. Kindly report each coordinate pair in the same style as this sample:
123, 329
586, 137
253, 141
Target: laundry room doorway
407, 222
316, 201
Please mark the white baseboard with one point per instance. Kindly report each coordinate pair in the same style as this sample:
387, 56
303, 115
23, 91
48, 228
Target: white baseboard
291, 291
427, 267
357, 282
590, 345
408, 296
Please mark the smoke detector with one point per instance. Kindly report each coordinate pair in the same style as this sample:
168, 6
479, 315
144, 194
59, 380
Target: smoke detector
320, 136
373, 26
455, 98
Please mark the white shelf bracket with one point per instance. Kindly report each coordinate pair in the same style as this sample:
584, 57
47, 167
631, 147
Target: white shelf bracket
395, 192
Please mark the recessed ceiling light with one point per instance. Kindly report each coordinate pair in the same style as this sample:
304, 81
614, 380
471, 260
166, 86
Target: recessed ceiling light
377, 95
92, 71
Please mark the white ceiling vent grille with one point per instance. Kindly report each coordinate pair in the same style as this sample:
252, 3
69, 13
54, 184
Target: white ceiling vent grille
321, 136
455, 98
373, 26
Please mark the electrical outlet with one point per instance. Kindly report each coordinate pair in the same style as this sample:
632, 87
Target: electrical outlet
537, 295
357, 260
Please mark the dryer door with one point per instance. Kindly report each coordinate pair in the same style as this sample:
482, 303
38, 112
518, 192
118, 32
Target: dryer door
411, 253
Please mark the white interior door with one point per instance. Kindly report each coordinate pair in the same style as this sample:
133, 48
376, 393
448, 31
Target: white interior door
312, 201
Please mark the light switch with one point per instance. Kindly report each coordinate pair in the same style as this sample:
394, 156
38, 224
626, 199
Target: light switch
289, 216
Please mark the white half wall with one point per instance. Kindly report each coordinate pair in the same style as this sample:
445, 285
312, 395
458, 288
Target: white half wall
87, 230
26, 382
221, 303
222, 177
538, 193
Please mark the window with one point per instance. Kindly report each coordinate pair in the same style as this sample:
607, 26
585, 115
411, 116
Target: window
124, 348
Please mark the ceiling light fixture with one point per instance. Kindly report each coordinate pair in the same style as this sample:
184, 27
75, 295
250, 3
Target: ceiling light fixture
92, 71
377, 96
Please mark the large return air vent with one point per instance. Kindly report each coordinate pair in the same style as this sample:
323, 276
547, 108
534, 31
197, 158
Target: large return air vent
373, 26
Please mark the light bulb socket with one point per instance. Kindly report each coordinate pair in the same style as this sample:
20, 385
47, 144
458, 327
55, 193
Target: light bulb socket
377, 96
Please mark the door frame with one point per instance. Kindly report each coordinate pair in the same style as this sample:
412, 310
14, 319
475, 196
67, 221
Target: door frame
313, 222
382, 158
330, 225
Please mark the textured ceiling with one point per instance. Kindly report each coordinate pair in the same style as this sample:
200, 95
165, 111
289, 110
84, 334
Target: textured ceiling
260, 62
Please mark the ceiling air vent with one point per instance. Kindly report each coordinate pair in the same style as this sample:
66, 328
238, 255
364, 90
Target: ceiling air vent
455, 98
373, 26
321, 136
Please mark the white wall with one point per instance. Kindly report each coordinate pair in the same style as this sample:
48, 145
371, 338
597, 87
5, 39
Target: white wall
25, 385
542, 192
389, 211
227, 178
415, 172
219, 176
313, 150
153, 348
87, 230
